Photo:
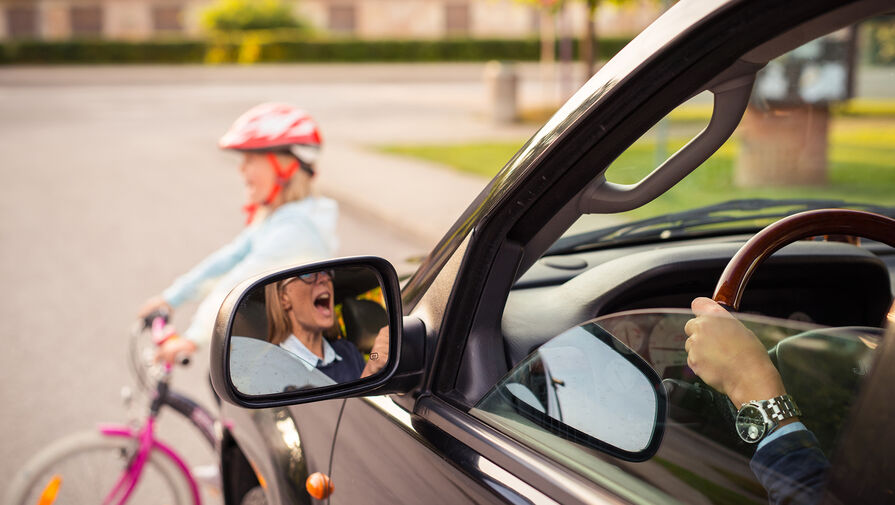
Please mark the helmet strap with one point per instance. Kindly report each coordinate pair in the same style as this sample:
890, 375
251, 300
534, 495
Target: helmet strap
283, 176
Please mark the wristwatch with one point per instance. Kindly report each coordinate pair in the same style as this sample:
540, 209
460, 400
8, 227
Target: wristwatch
756, 419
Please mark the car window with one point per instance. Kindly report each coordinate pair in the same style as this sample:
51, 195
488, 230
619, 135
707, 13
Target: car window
701, 458
817, 132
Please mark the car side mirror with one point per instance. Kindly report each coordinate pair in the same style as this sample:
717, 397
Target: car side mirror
325, 330
587, 387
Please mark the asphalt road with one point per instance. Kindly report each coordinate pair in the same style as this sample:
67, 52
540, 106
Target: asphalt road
112, 186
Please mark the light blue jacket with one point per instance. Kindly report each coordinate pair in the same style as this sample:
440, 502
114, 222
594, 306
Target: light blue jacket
295, 233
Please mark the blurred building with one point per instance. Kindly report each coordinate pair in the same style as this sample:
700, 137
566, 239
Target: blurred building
408, 19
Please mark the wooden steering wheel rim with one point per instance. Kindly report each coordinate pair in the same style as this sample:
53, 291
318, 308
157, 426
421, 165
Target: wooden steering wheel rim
812, 223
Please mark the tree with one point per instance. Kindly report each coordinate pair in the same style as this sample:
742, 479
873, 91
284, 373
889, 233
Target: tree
589, 42
244, 15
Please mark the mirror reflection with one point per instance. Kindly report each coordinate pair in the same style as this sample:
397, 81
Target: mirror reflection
584, 386
307, 329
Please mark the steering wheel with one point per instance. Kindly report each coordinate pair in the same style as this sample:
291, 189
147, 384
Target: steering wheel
812, 223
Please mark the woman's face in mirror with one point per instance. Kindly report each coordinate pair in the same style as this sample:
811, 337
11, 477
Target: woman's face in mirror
308, 301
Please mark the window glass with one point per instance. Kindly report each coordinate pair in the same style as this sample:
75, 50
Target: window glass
548, 389
701, 458
819, 130
21, 21
343, 19
456, 18
87, 20
167, 18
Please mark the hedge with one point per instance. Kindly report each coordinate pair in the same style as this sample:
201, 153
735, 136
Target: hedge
260, 48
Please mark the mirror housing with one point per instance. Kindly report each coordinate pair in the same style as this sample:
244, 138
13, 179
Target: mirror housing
401, 374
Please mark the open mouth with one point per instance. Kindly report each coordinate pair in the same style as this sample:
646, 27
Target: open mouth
323, 303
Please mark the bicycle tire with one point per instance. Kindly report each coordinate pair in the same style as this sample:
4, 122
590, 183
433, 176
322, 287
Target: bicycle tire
73, 454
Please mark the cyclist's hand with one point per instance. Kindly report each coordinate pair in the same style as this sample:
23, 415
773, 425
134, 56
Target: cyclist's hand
154, 304
175, 349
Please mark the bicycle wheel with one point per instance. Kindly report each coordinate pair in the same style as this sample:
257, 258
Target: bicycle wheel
85, 467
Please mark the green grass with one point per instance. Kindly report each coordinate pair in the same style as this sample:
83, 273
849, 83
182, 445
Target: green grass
480, 159
861, 167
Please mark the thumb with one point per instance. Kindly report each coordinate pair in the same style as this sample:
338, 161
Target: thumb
703, 306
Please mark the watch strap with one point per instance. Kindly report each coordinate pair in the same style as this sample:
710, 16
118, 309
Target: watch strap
780, 408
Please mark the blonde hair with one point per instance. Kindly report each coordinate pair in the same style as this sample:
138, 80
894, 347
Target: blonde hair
298, 187
278, 325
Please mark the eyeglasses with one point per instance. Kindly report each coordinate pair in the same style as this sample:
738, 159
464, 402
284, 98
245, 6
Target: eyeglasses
308, 278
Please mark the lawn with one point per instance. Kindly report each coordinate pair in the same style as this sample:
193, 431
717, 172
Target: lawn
861, 164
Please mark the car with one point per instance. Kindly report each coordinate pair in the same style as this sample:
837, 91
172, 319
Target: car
538, 353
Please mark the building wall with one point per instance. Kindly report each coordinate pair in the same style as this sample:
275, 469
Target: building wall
410, 19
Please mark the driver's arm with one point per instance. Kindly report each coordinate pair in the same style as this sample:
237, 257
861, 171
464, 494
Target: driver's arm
730, 358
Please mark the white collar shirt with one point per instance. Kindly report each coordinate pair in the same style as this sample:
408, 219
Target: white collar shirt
308, 358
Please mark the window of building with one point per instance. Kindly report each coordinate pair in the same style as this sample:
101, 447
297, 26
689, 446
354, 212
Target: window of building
87, 20
21, 21
343, 18
166, 18
457, 18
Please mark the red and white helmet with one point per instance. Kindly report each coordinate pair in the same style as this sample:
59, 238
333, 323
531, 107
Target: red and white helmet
275, 127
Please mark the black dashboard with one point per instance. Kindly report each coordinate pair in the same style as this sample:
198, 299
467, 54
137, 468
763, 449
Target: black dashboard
828, 283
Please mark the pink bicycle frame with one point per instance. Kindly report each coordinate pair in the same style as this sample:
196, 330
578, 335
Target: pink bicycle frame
147, 443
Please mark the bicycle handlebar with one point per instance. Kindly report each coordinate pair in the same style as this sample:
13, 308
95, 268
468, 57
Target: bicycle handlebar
156, 314
157, 323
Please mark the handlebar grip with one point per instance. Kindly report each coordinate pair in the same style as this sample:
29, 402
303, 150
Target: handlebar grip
156, 314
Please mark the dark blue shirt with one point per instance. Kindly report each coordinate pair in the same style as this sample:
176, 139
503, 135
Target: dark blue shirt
792, 469
349, 367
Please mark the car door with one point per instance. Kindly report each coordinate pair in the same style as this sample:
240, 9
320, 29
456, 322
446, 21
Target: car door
437, 430
384, 454
285, 444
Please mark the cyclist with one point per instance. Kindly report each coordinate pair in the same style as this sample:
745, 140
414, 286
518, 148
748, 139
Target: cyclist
286, 223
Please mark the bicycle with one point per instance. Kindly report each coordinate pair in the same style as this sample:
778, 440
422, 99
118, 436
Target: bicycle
69, 471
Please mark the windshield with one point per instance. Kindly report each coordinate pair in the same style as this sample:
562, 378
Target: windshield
819, 133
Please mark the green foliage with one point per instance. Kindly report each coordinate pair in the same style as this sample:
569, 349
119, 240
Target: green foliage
275, 46
244, 15
881, 40
101, 51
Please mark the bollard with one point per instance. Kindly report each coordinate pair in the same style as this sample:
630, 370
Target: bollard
501, 80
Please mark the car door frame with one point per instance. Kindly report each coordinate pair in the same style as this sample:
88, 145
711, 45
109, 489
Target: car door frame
540, 180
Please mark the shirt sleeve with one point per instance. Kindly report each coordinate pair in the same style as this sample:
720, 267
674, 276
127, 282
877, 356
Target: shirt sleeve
792, 468
194, 283
779, 432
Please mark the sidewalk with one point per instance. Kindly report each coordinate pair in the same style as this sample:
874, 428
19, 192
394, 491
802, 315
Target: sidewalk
413, 197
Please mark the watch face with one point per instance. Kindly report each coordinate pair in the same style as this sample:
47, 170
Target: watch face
750, 424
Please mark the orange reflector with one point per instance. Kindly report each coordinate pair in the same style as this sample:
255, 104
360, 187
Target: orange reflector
319, 486
48, 496
261, 481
